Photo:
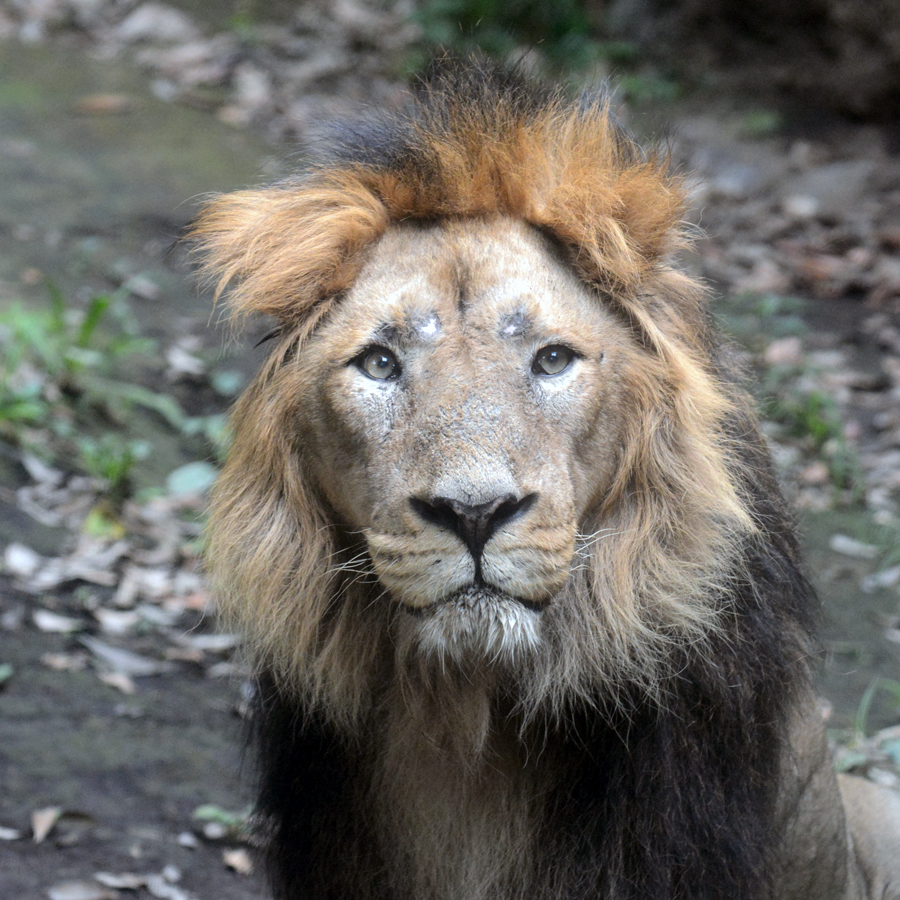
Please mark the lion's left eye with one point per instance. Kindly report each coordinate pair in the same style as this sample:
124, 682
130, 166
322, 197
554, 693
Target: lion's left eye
552, 360
379, 363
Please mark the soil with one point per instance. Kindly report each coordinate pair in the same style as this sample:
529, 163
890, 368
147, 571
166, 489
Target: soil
106, 142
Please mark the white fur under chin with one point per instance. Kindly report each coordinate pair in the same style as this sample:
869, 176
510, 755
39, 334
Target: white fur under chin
481, 624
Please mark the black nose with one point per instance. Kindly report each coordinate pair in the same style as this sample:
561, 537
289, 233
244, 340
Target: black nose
474, 525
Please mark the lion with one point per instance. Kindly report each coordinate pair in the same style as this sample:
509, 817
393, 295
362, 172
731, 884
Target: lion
524, 604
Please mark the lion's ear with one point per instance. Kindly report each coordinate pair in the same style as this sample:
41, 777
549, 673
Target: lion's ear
278, 250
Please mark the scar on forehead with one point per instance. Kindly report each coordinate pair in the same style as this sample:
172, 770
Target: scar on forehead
515, 324
426, 326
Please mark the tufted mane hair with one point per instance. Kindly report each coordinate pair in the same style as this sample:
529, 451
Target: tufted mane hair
675, 649
474, 142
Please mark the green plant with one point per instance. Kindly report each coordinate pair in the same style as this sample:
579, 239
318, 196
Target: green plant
63, 383
754, 319
861, 719
648, 87
111, 458
811, 414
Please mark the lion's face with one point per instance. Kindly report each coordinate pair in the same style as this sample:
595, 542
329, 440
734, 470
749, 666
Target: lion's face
467, 412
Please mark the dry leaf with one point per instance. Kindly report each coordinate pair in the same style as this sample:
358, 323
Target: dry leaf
21, 561
841, 543
54, 623
159, 887
79, 890
117, 621
120, 681
43, 820
239, 860
65, 662
103, 104
215, 643
127, 881
124, 661
10, 834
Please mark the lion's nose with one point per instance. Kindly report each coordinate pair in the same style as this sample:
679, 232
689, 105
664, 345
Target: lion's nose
474, 524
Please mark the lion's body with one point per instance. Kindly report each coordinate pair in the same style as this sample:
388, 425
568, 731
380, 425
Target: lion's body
526, 608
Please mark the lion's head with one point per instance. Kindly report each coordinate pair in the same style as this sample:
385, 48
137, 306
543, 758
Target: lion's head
491, 439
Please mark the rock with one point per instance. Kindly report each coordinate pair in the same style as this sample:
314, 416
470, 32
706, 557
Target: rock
800, 207
156, 23
736, 181
835, 189
784, 352
201, 62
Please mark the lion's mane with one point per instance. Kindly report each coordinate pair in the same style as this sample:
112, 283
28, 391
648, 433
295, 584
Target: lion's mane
659, 703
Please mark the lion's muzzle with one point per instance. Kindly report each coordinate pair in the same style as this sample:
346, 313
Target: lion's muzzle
473, 524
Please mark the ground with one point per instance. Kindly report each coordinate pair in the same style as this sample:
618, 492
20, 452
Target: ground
122, 707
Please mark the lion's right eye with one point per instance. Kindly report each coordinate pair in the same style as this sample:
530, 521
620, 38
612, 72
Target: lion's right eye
552, 360
378, 363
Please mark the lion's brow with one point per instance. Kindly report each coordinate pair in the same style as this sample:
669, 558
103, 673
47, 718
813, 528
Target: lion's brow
387, 333
516, 324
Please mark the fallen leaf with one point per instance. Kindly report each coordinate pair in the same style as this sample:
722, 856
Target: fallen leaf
216, 643
124, 661
239, 860
39, 471
184, 654
54, 623
103, 105
126, 881
9, 834
42, 822
65, 662
21, 561
840, 543
79, 890
159, 887
117, 621
120, 681
887, 578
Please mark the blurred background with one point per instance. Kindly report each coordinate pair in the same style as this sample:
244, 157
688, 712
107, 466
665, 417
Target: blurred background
121, 706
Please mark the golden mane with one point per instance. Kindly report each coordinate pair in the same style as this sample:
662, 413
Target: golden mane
657, 555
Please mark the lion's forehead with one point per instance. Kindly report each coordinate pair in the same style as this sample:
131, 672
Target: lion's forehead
493, 279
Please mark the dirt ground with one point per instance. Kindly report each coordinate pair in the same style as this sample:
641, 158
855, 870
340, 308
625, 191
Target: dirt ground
122, 713
126, 772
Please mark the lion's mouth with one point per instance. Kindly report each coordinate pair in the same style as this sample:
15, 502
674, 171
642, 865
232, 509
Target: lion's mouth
472, 599
478, 622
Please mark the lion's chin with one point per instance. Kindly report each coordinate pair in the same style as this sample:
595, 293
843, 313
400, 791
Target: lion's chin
478, 623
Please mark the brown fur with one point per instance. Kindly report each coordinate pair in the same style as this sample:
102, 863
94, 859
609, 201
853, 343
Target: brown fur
621, 734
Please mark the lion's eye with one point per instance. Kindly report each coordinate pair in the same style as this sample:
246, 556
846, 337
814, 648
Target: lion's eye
379, 363
552, 360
